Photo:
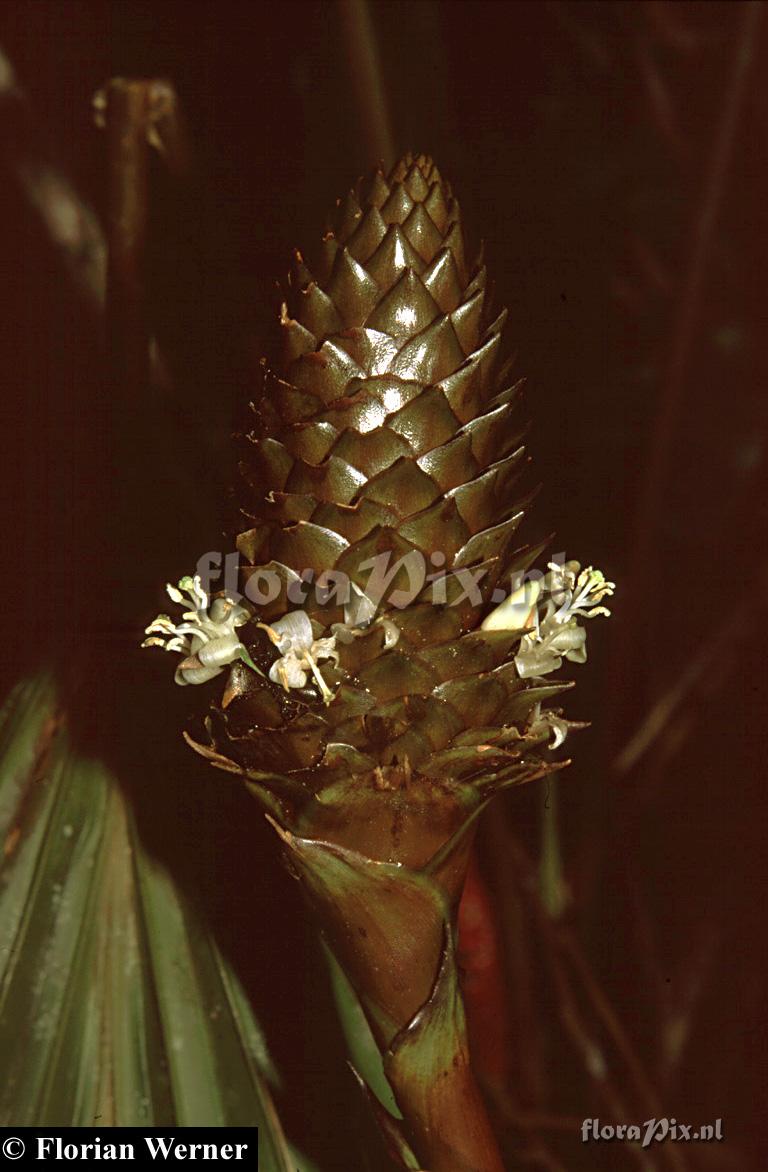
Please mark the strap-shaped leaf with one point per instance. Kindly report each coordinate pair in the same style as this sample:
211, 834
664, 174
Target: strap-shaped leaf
116, 1006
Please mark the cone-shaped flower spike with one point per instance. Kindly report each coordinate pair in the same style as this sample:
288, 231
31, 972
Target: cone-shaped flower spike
388, 682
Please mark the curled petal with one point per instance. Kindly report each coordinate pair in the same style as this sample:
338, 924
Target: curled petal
288, 672
568, 639
224, 610
191, 671
294, 631
536, 660
219, 652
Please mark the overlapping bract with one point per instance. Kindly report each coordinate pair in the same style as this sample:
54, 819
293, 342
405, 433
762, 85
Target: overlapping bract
388, 430
375, 738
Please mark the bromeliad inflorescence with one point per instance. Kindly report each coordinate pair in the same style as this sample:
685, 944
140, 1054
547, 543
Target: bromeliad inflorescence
206, 638
375, 734
552, 606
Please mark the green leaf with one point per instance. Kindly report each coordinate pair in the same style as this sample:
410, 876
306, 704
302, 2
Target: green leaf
364, 1053
116, 1005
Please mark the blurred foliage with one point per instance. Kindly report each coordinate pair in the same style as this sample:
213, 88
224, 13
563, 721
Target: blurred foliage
116, 1006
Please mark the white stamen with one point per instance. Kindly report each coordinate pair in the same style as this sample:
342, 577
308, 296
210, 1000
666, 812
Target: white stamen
205, 636
571, 594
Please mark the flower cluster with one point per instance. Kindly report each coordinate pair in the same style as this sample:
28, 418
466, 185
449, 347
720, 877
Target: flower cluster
547, 612
552, 607
205, 636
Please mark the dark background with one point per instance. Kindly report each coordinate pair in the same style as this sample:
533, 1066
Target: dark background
623, 216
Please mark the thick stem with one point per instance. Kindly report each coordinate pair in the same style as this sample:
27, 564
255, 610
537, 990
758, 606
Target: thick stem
449, 1124
391, 926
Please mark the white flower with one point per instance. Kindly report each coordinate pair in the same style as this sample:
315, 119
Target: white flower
573, 594
300, 652
205, 636
544, 651
570, 594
